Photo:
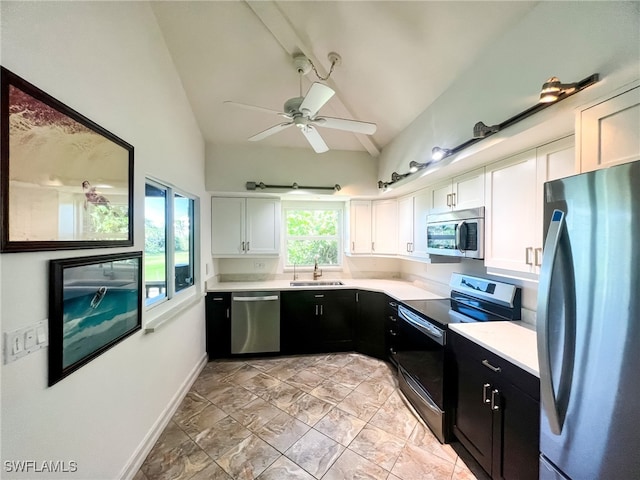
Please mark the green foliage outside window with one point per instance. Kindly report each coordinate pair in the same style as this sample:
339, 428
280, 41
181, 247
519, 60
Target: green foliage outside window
311, 235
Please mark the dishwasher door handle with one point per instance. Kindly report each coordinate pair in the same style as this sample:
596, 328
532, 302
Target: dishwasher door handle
255, 299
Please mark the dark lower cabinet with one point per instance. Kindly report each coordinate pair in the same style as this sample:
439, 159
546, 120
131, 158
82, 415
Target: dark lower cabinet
371, 323
497, 416
218, 324
314, 321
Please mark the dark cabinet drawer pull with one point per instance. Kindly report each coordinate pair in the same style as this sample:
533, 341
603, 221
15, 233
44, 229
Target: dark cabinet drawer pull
490, 367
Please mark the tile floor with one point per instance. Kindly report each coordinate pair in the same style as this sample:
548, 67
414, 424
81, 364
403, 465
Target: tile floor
330, 417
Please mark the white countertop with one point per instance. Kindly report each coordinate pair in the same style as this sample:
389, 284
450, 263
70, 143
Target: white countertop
398, 289
513, 341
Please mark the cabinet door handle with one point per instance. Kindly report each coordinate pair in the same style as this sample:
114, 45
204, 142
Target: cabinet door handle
485, 393
373, 247
321, 309
228, 312
393, 319
495, 404
242, 247
247, 246
453, 199
448, 199
538, 257
491, 367
392, 351
392, 333
353, 246
357, 297
527, 255
316, 310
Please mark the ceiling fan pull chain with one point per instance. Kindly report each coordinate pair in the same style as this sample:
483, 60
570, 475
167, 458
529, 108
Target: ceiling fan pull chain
333, 64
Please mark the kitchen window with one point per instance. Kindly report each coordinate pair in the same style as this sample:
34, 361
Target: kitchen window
169, 242
313, 232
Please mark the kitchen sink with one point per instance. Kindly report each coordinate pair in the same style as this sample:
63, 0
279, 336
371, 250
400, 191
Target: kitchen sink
316, 283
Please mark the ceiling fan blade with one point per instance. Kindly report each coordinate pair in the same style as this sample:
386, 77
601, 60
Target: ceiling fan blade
314, 139
270, 131
316, 97
256, 108
349, 125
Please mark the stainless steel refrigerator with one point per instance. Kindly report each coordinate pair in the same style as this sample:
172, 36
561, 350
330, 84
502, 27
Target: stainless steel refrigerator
588, 325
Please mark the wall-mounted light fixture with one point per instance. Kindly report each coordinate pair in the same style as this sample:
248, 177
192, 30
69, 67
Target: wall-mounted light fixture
415, 166
294, 186
553, 88
552, 91
480, 130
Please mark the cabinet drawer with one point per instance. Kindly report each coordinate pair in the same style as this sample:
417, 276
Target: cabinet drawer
511, 373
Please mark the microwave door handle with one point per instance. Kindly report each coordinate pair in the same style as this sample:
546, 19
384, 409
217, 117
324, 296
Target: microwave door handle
459, 236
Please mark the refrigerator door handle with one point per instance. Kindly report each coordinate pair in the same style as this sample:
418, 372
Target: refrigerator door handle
550, 255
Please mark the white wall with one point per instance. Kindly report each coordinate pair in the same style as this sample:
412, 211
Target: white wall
570, 40
108, 61
230, 167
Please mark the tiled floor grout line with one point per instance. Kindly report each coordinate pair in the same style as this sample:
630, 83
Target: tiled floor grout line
240, 373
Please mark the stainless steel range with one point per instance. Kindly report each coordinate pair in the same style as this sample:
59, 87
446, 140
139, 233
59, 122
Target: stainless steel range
418, 340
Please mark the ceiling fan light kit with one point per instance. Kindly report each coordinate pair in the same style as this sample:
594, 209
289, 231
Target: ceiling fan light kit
552, 92
302, 111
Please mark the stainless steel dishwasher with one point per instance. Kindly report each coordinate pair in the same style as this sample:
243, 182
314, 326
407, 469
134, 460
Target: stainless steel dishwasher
255, 322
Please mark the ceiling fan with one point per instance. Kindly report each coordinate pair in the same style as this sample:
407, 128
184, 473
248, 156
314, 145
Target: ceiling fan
303, 111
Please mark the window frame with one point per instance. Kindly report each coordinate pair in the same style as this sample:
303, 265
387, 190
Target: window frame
310, 205
170, 264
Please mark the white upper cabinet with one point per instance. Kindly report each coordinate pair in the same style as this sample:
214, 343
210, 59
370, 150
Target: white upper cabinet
412, 224
359, 227
245, 226
373, 227
459, 193
514, 205
609, 132
384, 230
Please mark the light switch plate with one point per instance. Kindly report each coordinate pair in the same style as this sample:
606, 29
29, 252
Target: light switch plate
25, 340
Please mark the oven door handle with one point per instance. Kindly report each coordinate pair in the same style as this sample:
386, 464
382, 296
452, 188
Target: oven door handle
432, 332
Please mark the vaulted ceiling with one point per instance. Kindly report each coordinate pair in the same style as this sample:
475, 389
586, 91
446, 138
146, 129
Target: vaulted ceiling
397, 58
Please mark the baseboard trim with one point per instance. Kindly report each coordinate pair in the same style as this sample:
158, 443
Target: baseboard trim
138, 457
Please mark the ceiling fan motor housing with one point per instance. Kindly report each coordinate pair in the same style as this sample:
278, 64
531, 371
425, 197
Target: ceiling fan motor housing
292, 106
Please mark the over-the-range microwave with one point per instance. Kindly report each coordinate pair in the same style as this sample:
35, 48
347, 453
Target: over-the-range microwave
459, 233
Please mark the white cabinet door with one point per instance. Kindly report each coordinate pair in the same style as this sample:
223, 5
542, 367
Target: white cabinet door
421, 207
441, 197
610, 132
468, 190
360, 227
262, 226
459, 193
553, 160
241, 226
227, 226
514, 223
510, 216
405, 225
385, 227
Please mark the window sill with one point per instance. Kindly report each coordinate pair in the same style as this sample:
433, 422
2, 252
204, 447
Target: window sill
173, 310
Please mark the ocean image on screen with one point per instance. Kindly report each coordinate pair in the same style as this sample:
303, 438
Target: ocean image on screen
96, 314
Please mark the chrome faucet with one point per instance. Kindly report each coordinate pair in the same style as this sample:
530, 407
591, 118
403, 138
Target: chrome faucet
316, 273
